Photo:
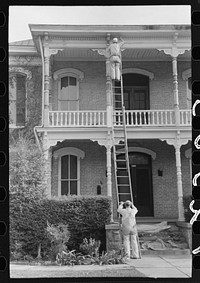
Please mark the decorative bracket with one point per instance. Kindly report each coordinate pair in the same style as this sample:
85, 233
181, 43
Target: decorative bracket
176, 142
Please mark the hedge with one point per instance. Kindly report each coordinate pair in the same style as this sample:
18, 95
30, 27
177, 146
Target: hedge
85, 216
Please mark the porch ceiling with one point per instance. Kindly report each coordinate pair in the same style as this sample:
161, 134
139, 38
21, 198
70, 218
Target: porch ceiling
127, 55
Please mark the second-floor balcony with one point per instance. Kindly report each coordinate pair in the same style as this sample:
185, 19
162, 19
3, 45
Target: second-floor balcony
134, 118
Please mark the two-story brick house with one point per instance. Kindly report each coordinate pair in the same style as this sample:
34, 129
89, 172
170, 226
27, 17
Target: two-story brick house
62, 91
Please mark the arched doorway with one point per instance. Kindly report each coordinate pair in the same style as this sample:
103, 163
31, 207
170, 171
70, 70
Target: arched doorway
136, 91
141, 178
136, 97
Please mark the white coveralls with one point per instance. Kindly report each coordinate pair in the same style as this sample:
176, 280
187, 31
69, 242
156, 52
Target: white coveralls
114, 51
129, 230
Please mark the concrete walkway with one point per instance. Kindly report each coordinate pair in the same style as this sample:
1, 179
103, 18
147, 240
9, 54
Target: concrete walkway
176, 266
154, 266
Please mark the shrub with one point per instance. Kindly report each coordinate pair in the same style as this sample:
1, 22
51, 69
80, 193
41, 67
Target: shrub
85, 216
27, 189
59, 236
187, 212
90, 246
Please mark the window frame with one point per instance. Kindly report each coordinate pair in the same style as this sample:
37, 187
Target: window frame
68, 72
15, 74
69, 151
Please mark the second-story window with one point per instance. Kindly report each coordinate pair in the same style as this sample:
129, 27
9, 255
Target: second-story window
69, 94
17, 100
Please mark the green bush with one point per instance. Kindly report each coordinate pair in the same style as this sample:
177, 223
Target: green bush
27, 189
187, 212
85, 216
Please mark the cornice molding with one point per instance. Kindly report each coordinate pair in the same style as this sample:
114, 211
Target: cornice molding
25, 60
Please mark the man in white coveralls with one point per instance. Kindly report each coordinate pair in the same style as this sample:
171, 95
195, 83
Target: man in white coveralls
114, 53
129, 230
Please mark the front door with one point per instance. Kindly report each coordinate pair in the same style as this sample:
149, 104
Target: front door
142, 190
141, 179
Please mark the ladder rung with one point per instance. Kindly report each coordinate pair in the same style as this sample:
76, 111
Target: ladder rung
123, 176
120, 160
121, 168
124, 194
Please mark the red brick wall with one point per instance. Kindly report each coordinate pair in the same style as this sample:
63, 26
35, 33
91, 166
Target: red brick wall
93, 170
93, 86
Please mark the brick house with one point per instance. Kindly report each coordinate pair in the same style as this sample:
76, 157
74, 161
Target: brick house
61, 91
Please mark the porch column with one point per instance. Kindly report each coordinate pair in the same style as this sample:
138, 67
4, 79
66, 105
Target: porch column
109, 96
174, 51
46, 80
181, 216
47, 156
109, 168
177, 143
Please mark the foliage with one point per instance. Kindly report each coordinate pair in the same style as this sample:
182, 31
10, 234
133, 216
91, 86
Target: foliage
85, 216
72, 258
59, 236
33, 102
90, 246
187, 212
27, 189
26, 169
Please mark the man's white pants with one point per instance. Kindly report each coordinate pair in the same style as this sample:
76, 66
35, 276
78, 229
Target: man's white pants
130, 241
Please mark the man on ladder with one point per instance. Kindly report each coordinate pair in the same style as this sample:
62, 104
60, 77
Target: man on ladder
114, 53
129, 229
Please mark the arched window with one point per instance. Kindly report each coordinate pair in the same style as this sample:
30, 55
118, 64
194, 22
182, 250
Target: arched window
68, 88
18, 77
69, 170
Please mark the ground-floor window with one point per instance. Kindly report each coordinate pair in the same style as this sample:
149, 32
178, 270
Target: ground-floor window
69, 175
69, 160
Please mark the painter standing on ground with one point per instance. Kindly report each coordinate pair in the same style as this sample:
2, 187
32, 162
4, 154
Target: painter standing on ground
114, 53
129, 229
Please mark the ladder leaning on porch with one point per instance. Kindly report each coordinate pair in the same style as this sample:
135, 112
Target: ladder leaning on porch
121, 165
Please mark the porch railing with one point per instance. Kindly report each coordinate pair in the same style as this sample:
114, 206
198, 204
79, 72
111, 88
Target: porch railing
77, 118
135, 118
146, 118
185, 117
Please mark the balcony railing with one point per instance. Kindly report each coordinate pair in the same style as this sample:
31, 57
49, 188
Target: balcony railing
136, 118
147, 118
77, 119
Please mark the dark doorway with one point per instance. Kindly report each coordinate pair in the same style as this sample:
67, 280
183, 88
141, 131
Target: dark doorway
136, 97
141, 178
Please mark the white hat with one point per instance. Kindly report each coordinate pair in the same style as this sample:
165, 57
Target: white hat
115, 39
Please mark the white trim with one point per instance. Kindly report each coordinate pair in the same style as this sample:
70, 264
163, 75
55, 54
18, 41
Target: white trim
138, 71
68, 72
139, 149
69, 151
186, 74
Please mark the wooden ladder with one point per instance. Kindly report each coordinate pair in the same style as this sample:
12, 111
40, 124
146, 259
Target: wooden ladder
121, 165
